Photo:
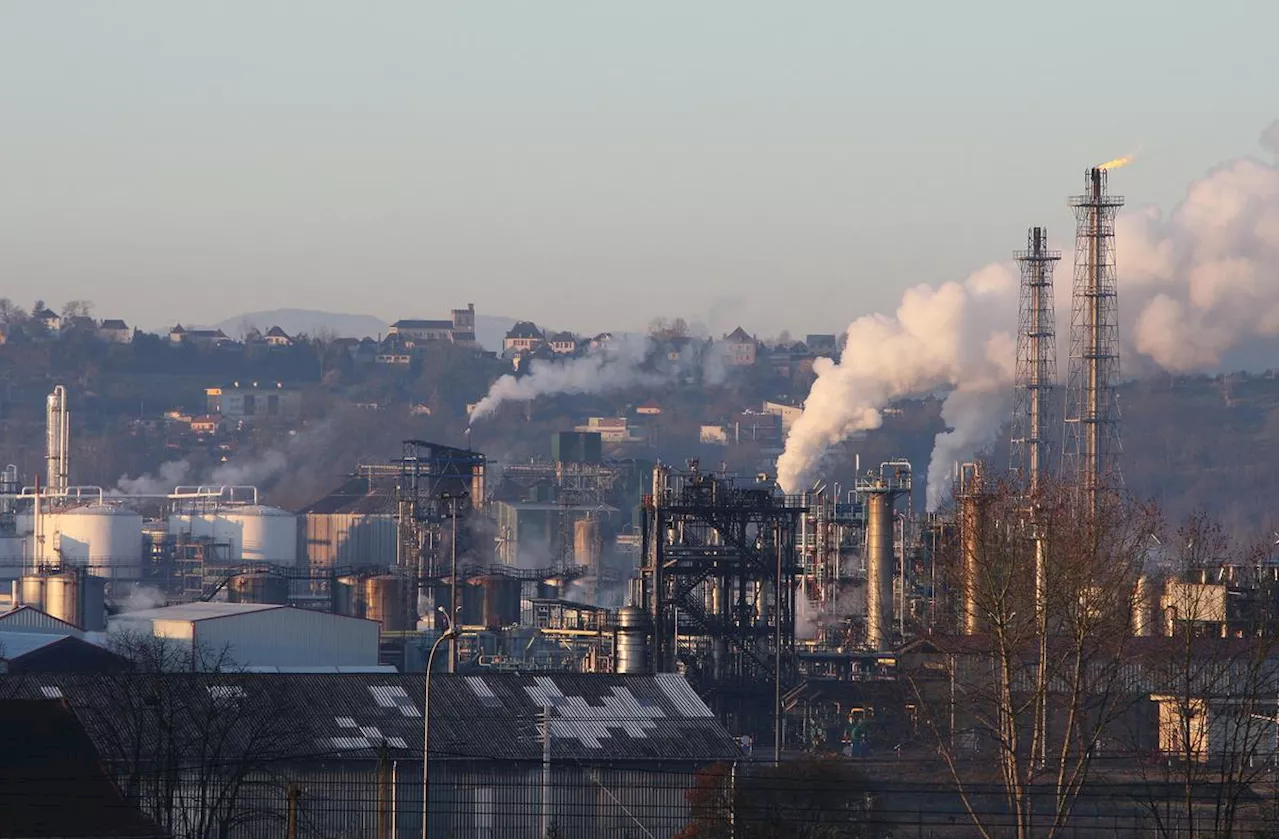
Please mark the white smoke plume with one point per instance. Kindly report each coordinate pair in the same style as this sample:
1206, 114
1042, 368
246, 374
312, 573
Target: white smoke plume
1193, 286
623, 362
291, 460
1202, 281
939, 337
162, 482
143, 597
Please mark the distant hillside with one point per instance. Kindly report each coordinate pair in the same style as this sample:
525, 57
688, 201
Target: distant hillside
489, 328
309, 321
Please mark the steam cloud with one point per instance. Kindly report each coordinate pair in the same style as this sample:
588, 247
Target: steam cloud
1193, 286
938, 337
627, 361
260, 469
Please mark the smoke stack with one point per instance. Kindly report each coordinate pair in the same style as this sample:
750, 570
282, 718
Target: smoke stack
970, 494
879, 565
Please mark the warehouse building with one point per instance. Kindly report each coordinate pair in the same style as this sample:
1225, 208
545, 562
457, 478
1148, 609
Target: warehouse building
352, 527
571, 755
240, 635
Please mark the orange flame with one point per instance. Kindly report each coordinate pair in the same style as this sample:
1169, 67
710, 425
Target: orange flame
1117, 163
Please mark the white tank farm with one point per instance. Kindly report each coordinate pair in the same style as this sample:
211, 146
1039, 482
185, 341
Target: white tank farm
263, 534
107, 540
253, 533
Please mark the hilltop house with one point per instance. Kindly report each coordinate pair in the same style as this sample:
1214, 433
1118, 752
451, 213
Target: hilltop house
198, 337
277, 337
47, 318
115, 331
522, 337
562, 343
738, 348
460, 328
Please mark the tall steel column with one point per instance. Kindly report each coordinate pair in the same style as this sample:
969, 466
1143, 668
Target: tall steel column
1035, 377
1092, 448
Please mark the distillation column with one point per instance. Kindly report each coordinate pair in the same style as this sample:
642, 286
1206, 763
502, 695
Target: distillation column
57, 441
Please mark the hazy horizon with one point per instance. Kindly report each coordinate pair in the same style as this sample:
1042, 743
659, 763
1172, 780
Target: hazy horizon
585, 165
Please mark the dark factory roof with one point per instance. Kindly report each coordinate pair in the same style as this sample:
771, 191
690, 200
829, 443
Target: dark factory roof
358, 495
594, 717
43, 749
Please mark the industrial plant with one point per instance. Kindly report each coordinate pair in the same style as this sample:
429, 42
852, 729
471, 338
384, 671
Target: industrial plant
802, 620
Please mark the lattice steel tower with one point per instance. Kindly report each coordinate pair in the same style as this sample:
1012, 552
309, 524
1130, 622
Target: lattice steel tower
1037, 370
1091, 449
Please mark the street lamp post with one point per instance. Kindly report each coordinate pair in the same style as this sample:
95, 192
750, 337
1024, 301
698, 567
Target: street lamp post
448, 635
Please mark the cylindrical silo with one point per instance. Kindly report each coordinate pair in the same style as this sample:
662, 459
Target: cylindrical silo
631, 641
258, 588
501, 601
261, 534
348, 596
384, 600
31, 591
586, 543
62, 597
879, 568
104, 539
471, 598
12, 549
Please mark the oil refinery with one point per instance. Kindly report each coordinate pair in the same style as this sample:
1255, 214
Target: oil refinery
775, 606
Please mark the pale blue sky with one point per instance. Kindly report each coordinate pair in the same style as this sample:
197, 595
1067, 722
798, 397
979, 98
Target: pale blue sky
591, 164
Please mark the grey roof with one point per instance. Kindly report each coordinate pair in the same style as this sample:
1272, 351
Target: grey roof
525, 329
422, 324
30, 619
197, 611
276, 332
17, 644
114, 323
357, 494
594, 717
740, 336
562, 337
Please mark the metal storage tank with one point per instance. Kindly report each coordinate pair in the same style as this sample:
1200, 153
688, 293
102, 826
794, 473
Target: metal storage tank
630, 641
335, 540
107, 540
384, 601
258, 588
501, 601
262, 534
77, 598
471, 596
586, 543
348, 597
31, 591
12, 550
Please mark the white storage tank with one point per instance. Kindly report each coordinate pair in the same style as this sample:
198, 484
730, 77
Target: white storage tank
12, 550
261, 534
107, 540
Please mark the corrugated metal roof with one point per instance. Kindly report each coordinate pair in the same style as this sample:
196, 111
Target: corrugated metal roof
196, 611
31, 619
594, 717
17, 644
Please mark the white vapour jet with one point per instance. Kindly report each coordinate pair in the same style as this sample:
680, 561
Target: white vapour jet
1194, 286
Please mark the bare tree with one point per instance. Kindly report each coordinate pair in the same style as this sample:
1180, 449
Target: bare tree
1038, 678
10, 312
187, 746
